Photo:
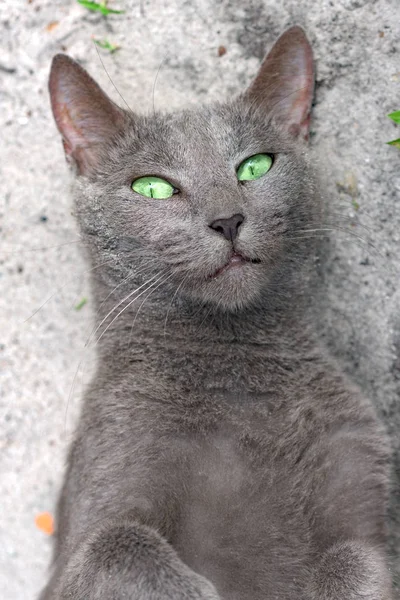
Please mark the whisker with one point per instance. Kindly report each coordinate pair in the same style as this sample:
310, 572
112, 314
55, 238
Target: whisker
129, 276
155, 80
306, 237
217, 313
356, 214
288, 95
95, 329
207, 314
365, 243
274, 86
353, 220
171, 303
146, 298
126, 307
336, 228
64, 285
362, 212
43, 248
113, 84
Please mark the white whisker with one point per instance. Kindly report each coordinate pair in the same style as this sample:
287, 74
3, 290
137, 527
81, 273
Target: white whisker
126, 307
93, 333
146, 298
64, 285
43, 248
125, 279
172, 300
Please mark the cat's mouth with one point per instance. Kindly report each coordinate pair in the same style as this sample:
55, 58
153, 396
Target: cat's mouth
236, 260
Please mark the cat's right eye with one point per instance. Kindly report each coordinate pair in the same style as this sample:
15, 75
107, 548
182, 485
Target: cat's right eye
254, 167
153, 187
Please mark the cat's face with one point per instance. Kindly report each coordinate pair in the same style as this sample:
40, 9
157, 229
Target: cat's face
224, 229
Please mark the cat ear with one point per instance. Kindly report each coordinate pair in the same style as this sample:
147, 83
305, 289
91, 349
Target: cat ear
85, 116
284, 85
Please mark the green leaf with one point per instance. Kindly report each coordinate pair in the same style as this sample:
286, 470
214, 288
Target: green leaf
395, 143
395, 116
80, 304
106, 45
94, 6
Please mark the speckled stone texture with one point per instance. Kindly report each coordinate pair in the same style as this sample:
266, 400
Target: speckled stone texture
173, 54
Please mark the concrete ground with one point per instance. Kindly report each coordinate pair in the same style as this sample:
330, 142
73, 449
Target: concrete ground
180, 53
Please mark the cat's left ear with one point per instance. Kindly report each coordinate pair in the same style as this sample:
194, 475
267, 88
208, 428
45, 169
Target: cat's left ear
86, 118
284, 86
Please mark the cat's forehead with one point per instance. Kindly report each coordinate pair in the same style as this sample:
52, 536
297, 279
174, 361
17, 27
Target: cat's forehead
210, 133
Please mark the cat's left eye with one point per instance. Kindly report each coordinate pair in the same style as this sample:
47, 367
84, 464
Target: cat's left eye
254, 167
153, 187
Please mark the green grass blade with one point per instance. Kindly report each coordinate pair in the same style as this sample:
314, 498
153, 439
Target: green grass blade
95, 7
106, 45
394, 143
395, 116
80, 304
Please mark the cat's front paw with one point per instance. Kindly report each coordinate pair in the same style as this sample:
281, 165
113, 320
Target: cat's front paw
350, 571
130, 562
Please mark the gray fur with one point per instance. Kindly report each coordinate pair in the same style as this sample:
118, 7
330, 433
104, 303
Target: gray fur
221, 453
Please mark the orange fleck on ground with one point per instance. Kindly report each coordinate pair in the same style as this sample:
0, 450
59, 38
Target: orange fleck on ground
52, 25
45, 522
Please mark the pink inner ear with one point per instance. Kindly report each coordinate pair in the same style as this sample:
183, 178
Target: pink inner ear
284, 85
86, 118
299, 113
73, 137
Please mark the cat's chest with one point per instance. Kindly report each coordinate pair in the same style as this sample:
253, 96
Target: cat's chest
239, 519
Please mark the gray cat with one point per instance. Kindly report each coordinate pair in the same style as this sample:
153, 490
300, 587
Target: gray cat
221, 453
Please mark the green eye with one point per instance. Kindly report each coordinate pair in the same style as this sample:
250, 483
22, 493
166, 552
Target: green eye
254, 167
153, 187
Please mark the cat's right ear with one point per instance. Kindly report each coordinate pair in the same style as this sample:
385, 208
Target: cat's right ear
284, 86
86, 118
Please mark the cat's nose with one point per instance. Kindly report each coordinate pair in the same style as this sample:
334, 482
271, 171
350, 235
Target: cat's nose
228, 227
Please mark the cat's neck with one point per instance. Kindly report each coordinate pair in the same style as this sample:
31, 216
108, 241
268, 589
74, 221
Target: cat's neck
161, 342
124, 320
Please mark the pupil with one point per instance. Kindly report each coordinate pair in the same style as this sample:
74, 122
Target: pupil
151, 190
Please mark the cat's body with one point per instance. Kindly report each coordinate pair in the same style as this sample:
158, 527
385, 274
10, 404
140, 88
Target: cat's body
217, 437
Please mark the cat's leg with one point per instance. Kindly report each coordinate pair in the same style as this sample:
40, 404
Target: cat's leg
117, 515
351, 570
350, 485
125, 560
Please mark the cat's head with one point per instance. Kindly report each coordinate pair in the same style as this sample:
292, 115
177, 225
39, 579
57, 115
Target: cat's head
209, 202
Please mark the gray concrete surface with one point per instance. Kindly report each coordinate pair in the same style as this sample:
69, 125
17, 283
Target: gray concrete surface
357, 48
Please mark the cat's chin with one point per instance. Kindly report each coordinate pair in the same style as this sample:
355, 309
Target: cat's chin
234, 286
